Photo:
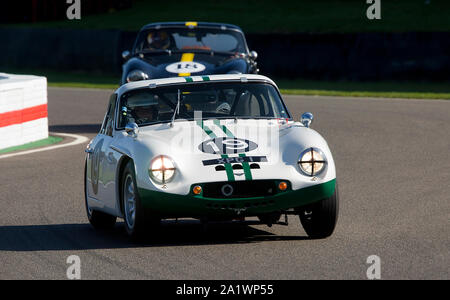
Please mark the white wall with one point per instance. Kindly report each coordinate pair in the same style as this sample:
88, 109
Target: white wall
20, 95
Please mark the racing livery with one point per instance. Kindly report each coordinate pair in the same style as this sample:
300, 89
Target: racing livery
219, 147
182, 49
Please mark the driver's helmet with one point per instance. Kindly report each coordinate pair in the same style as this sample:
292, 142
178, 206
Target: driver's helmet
143, 108
145, 113
223, 108
158, 40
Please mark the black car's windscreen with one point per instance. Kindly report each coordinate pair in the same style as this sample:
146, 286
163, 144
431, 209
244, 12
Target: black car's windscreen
215, 100
185, 39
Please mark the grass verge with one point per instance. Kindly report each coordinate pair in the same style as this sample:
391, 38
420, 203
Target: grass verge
384, 89
41, 143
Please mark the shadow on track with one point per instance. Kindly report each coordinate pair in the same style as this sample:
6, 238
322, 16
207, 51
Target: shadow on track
75, 128
61, 237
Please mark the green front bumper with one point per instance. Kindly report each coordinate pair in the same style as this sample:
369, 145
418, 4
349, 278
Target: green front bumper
174, 205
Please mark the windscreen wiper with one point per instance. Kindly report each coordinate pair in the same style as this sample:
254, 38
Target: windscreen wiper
177, 108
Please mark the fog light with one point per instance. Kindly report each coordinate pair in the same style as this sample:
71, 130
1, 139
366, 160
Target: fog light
197, 190
282, 186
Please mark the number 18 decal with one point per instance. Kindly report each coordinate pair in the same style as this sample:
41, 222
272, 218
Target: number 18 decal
226, 145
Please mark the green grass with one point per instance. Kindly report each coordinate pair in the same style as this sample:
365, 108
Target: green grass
256, 16
41, 143
387, 89
72, 79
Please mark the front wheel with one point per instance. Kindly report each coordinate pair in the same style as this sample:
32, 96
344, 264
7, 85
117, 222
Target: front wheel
137, 220
319, 219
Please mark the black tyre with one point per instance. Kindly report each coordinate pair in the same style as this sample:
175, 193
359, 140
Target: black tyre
98, 219
319, 219
137, 219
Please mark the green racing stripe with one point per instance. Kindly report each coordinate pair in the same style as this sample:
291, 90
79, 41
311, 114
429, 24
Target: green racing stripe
210, 133
245, 165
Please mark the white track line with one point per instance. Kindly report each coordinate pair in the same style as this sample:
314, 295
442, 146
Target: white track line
78, 139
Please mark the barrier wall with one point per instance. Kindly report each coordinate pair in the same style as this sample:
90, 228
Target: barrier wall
334, 56
23, 109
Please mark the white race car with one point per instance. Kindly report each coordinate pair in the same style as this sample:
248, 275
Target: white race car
219, 147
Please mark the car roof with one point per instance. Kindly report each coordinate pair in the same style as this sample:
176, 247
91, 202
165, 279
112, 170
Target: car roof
154, 83
190, 24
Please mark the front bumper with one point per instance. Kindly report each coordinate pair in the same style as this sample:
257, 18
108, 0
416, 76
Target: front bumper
173, 205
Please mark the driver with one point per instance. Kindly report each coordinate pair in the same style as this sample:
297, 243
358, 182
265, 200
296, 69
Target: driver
158, 40
145, 113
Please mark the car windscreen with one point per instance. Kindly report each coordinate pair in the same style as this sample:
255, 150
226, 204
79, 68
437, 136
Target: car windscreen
147, 106
186, 39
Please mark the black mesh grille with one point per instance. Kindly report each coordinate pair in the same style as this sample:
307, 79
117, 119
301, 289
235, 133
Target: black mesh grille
240, 189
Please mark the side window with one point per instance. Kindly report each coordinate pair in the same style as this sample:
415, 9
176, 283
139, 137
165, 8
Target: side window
108, 122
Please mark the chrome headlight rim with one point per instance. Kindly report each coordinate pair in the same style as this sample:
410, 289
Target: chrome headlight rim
163, 169
322, 160
137, 75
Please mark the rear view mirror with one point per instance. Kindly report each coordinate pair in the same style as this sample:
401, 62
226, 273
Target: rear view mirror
126, 55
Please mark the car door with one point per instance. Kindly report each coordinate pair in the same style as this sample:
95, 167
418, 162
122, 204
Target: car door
108, 161
98, 162
93, 161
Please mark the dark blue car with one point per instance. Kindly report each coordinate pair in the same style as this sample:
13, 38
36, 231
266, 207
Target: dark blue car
187, 49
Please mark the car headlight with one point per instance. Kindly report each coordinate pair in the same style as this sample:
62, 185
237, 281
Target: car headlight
312, 162
136, 75
162, 169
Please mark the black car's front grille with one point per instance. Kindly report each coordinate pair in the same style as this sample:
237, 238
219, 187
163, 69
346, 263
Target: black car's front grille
240, 189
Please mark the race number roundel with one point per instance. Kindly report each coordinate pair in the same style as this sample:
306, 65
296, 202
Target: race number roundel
185, 67
227, 145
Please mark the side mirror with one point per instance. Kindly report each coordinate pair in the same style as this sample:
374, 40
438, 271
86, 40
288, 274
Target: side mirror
253, 55
132, 129
307, 119
126, 54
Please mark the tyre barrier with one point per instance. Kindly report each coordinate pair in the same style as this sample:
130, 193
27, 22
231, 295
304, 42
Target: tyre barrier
23, 109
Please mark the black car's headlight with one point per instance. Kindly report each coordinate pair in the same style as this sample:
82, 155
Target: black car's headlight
312, 162
162, 169
136, 75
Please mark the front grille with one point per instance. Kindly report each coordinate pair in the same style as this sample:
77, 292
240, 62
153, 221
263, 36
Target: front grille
240, 189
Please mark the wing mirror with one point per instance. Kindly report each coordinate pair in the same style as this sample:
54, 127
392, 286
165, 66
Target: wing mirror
253, 55
307, 119
132, 129
126, 55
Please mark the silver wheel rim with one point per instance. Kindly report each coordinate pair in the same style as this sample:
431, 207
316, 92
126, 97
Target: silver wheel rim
129, 198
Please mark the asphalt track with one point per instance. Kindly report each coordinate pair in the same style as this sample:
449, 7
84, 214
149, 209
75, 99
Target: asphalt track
393, 163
